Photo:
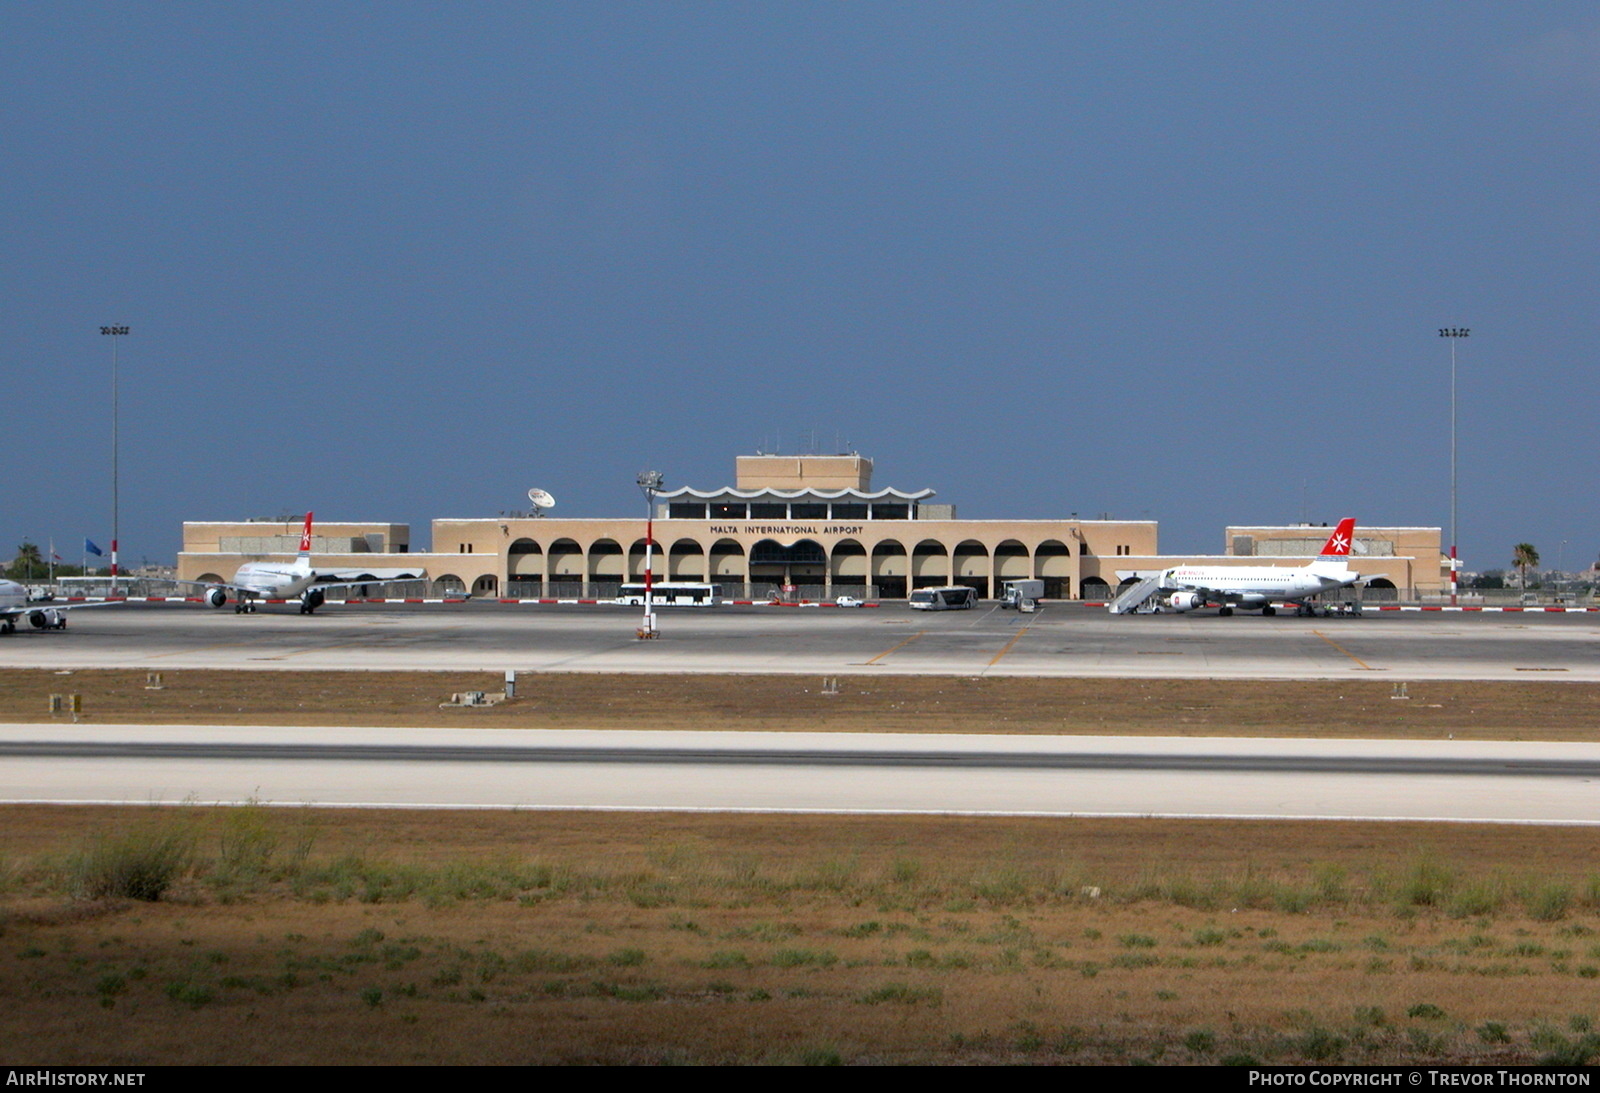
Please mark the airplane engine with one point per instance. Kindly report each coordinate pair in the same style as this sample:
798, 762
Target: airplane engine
217, 597
315, 597
1185, 601
45, 620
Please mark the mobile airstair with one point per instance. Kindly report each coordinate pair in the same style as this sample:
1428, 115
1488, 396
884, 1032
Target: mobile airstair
1136, 597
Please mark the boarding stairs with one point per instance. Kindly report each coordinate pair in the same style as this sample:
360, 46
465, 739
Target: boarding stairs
1136, 596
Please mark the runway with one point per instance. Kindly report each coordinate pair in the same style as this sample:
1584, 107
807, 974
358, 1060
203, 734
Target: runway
1440, 780
802, 772
1061, 640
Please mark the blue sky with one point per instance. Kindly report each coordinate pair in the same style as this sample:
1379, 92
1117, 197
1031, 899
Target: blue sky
1184, 262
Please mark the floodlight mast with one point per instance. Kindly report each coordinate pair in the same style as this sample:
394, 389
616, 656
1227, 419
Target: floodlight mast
649, 483
114, 332
1454, 333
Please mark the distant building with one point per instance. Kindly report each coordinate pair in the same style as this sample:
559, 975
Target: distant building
812, 523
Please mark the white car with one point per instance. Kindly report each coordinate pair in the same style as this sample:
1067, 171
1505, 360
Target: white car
847, 601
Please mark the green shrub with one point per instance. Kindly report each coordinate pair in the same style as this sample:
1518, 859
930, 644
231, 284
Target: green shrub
139, 864
903, 994
1494, 1032
799, 958
1549, 902
1427, 884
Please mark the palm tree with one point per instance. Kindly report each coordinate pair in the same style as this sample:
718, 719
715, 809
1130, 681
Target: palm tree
1524, 557
28, 561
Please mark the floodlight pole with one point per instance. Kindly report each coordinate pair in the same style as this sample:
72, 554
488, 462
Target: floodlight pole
114, 332
1454, 333
649, 483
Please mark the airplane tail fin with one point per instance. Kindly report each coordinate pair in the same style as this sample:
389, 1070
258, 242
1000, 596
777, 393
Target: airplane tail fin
303, 559
1338, 544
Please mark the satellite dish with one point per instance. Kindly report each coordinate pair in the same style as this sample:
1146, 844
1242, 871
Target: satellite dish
540, 500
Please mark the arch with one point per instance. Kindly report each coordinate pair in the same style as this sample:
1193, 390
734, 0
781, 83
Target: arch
635, 567
969, 565
686, 560
449, 583
1052, 558
1095, 588
889, 558
209, 578
1381, 588
930, 564
1128, 582
802, 563
971, 559
807, 552
890, 568
487, 585
848, 563
1011, 561
605, 560
727, 561
524, 559
566, 560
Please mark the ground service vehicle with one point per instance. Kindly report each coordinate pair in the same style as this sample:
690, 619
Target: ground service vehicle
953, 598
1014, 592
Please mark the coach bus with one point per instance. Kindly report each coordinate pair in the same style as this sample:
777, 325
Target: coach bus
954, 598
672, 594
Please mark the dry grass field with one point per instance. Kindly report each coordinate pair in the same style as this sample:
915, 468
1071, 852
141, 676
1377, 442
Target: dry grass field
1359, 708
307, 936
312, 936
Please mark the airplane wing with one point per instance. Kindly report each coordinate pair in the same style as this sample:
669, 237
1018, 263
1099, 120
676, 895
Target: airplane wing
369, 576
51, 605
43, 614
360, 578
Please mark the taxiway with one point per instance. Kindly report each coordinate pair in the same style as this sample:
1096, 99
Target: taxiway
1062, 640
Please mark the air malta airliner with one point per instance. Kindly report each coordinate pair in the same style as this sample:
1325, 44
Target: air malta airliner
1255, 588
257, 581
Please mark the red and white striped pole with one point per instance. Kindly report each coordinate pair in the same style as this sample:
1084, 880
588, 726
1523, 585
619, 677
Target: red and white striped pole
649, 482
1454, 333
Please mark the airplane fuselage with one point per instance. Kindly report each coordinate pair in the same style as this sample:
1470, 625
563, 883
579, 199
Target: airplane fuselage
12, 595
269, 581
15, 605
1257, 584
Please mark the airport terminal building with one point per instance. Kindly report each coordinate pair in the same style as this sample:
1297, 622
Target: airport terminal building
811, 527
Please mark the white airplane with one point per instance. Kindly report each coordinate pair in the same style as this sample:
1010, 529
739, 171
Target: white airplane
1254, 588
297, 580
41, 614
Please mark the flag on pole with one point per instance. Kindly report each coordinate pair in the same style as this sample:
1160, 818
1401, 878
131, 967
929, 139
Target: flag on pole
88, 544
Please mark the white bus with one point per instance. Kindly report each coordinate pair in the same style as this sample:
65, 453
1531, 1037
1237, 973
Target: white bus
954, 598
671, 594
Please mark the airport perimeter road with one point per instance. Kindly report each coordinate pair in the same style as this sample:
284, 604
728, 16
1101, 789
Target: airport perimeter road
511, 768
1061, 640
